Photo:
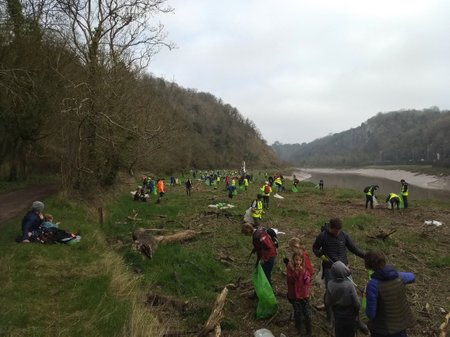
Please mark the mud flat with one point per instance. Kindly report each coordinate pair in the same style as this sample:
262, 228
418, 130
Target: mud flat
417, 179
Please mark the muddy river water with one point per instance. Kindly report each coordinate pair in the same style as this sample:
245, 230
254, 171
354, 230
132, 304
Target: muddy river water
421, 187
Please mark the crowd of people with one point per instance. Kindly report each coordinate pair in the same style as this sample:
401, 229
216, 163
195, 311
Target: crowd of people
386, 305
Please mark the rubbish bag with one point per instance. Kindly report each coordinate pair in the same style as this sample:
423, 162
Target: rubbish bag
294, 189
375, 201
263, 333
402, 203
267, 303
235, 192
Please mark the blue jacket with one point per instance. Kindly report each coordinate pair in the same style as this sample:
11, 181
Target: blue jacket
30, 223
387, 307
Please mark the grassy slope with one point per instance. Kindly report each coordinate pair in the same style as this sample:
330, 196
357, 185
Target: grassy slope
87, 283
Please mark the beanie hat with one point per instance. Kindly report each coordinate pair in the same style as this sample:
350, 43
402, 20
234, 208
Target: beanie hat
37, 206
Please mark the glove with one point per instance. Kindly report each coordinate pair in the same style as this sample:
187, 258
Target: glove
324, 258
286, 261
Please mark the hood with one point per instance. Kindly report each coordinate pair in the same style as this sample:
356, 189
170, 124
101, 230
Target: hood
385, 274
340, 271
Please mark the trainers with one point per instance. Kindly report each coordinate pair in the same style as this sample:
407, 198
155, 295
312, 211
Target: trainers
26, 241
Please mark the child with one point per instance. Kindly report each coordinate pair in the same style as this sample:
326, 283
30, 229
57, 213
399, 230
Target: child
299, 282
48, 222
342, 298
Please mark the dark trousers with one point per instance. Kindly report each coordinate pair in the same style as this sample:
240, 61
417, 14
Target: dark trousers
266, 201
267, 268
369, 199
302, 314
345, 327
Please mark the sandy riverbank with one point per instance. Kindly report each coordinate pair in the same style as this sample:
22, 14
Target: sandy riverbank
417, 179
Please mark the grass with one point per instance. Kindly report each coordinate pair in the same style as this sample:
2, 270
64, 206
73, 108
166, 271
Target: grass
97, 287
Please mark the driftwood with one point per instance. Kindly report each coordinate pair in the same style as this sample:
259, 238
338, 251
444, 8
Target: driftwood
212, 325
444, 325
382, 235
146, 243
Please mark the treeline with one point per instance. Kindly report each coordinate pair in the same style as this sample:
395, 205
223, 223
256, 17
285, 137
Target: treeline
75, 98
398, 137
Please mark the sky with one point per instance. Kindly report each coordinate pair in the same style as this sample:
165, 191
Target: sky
303, 69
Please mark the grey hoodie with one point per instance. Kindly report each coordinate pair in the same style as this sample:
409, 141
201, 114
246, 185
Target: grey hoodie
341, 293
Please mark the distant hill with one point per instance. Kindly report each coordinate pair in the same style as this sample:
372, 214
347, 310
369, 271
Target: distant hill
397, 137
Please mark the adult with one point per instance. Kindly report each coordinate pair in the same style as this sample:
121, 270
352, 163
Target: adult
393, 200
279, 183
370, 194
32, 221
387, 307
257, 210
188, 185
265, 191
331, 246
321, 185
264, 247
160, 189
404, 193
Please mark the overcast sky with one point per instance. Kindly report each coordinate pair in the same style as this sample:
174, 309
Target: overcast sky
301, 69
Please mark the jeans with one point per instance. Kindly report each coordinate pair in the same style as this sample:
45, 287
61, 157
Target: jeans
267, 268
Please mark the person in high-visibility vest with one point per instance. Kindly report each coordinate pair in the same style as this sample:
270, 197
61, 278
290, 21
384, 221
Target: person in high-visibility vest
279, 183
393, 199
265, 191
257, 210
404, 193
246, 183
370, 193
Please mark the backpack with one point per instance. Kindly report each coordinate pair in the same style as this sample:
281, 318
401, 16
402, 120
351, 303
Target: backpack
366, 189
266, 189
273, 236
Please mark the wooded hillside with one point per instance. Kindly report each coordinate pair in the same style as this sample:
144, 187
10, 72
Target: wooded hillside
399, 137
75, 97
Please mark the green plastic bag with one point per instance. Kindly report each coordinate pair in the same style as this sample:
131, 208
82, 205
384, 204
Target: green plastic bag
267, 303
154, 191
402, 203
235, 191
241, 187
294, 189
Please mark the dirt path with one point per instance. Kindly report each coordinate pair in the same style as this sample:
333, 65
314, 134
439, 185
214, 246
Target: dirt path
14, 203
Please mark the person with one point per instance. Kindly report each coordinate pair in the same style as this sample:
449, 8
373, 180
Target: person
188, 185
387, 307
264, 247
265, 191
331, 245
47, 222
257, 210
393, 199
298, 279
160, 189
279, 183
295, 245
140, 195
404, 193
341, 296
246, 183
370, 194
321, 185
32, 221
231, 189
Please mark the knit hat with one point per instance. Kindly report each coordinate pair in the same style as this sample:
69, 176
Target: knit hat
37, 206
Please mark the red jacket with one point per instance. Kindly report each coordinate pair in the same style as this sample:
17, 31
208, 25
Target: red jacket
298, 282
263, 245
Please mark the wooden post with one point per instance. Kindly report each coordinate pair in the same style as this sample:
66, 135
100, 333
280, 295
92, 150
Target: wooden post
100, 216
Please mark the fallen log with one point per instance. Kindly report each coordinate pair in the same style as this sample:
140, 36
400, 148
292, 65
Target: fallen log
146, 243
212, 325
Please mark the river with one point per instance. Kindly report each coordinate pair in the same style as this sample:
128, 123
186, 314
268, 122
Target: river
421, 187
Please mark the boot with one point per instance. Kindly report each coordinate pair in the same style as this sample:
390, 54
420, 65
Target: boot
308, 327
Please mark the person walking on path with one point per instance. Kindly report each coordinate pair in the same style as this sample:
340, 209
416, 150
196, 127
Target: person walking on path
298, 279
387, 307
331, 245
32, 221
393, 200
404, 193
341, 296
370, 194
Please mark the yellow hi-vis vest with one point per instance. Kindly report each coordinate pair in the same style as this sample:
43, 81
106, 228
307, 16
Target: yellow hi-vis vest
404, 191
257, 209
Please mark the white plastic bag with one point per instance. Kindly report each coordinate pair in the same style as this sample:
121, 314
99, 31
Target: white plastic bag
263, 333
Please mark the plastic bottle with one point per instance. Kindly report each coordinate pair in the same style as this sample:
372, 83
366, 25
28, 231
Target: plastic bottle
263, 333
